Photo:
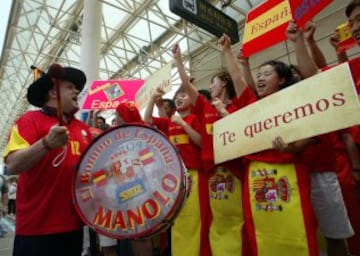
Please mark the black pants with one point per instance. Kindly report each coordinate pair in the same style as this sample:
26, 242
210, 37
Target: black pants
62, 244
11, 206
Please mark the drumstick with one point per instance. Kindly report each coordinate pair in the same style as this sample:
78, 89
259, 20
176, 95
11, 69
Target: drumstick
56, 72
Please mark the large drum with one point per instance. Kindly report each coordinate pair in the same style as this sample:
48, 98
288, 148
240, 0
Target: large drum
130, 183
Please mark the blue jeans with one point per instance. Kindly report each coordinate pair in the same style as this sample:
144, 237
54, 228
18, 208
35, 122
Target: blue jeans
3, 232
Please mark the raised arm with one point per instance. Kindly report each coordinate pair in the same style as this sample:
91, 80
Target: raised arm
160, 106
305, 63
150, 107
244, 62
317, 55
232, 65
334, 41
185, 79
90, 119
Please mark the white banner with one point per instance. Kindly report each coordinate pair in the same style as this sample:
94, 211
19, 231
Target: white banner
161, 78
320, 104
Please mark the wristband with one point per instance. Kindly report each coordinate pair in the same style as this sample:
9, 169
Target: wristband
45, 144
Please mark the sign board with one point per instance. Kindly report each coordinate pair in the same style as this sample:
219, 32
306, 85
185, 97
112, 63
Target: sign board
206, 16
266, 24
161, 78
108, 94
320, 104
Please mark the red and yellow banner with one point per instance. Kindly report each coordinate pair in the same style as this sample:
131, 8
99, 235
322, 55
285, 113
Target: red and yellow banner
279, 193
266, 24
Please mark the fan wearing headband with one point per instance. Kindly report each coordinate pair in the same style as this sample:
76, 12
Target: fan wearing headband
43, 148
183, 130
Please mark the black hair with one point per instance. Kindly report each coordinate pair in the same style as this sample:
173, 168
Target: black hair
283, 71
351, 6
206, 93
101, 118
170, 102
225, 76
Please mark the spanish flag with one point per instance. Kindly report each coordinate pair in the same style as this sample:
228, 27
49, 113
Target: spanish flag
37, 73
180, 139
277, 207
99, 178
85, 177
146, 156
86, 194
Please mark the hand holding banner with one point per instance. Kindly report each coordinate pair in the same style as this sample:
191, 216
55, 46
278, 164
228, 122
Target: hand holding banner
161, 78
292, 113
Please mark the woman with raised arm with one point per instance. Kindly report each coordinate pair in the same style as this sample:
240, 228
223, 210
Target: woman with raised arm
277, 205
184, 132
229, 92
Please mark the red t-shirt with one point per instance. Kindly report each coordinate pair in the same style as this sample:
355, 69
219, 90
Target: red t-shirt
343, 166
207, 115
354, 65
320, 157
355, 71
189, 152
161, 125
44, 196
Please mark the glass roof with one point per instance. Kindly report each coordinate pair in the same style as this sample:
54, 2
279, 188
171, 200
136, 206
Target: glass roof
136, 38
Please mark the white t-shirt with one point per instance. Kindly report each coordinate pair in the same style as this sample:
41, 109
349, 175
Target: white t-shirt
12, 191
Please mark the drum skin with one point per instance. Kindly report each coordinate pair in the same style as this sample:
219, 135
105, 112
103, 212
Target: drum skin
130, 183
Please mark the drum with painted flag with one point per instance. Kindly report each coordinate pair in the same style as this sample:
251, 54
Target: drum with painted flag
130, 183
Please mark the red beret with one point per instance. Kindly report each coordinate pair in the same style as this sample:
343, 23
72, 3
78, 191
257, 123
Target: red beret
129, 112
